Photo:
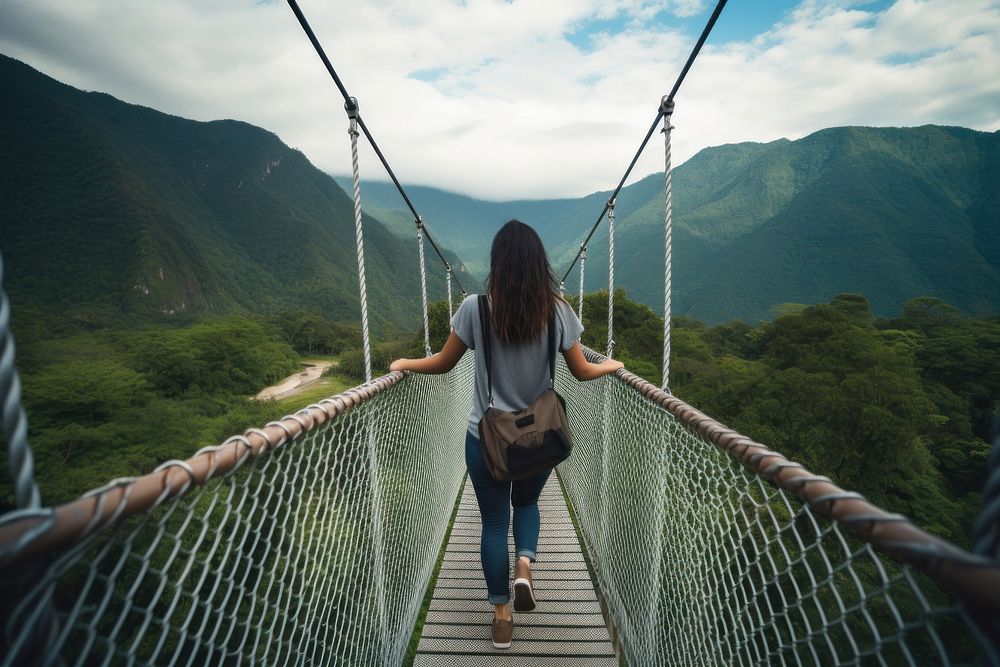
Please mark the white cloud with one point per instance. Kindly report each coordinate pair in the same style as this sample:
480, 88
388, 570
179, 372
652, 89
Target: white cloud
515, 109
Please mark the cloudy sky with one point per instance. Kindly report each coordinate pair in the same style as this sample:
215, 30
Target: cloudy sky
527, 98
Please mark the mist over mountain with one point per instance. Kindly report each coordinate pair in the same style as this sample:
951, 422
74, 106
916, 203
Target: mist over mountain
108, 209
892, 213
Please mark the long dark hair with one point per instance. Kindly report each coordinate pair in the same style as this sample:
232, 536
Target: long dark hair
522, 286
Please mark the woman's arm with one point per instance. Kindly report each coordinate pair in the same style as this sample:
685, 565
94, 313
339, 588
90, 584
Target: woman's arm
442, 362
583, 369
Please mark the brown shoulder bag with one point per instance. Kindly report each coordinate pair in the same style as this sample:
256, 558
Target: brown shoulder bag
521, 444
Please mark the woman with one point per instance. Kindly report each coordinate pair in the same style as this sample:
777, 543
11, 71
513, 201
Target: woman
523, 293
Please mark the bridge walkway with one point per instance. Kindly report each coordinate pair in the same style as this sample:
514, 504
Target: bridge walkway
566, 628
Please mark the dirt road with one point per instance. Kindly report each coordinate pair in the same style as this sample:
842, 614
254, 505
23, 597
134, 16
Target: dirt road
294, 384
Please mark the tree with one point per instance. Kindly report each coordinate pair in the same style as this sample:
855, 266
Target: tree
85, 391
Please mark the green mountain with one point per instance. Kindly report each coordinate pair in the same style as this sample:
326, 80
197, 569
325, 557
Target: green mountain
457, 221
887, 212
109, 209
892, 213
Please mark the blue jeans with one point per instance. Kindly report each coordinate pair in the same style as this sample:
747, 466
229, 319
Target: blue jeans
495, 500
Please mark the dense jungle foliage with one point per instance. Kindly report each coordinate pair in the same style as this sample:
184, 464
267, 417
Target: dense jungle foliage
898, 409
112, 402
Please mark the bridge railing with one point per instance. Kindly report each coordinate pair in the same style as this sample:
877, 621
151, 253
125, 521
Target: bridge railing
312, 539
308, 541
710, 548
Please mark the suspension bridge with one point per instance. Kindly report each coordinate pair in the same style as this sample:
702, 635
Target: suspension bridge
667, 539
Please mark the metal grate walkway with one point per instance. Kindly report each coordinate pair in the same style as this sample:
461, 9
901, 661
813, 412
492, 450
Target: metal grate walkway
566, 628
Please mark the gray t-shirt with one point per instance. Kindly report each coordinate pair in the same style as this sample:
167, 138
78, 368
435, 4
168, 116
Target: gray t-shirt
520, 372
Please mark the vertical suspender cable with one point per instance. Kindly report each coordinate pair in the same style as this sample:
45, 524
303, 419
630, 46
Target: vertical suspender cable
451, 306
583, 263
423, 286
668, 214
352, 112
611, 277
374, 487
15, 423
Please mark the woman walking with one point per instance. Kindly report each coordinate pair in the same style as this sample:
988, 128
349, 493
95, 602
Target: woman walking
523, 295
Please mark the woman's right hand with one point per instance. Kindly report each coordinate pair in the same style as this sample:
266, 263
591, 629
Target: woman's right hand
611, 365
584, 370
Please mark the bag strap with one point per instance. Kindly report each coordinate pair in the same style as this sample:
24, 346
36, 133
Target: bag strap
552, 348
484, 323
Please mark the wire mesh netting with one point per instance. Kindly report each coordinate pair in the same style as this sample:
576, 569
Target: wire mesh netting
700, 561
317, 552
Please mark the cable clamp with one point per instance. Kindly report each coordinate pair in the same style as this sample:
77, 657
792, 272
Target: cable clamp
351, 107
666, 106
419, 222
611, 204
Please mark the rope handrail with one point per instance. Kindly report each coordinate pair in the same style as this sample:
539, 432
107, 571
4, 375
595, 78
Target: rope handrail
973, 578
888, 532
349, 101
665, 104
55, 528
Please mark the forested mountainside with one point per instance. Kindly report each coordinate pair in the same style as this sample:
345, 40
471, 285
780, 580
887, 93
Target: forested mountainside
893, 213
111, 210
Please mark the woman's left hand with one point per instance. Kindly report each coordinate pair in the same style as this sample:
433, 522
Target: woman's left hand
398, 365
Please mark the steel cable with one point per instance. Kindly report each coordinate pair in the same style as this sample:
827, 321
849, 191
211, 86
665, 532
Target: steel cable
15, 422
668, 99
364, 128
